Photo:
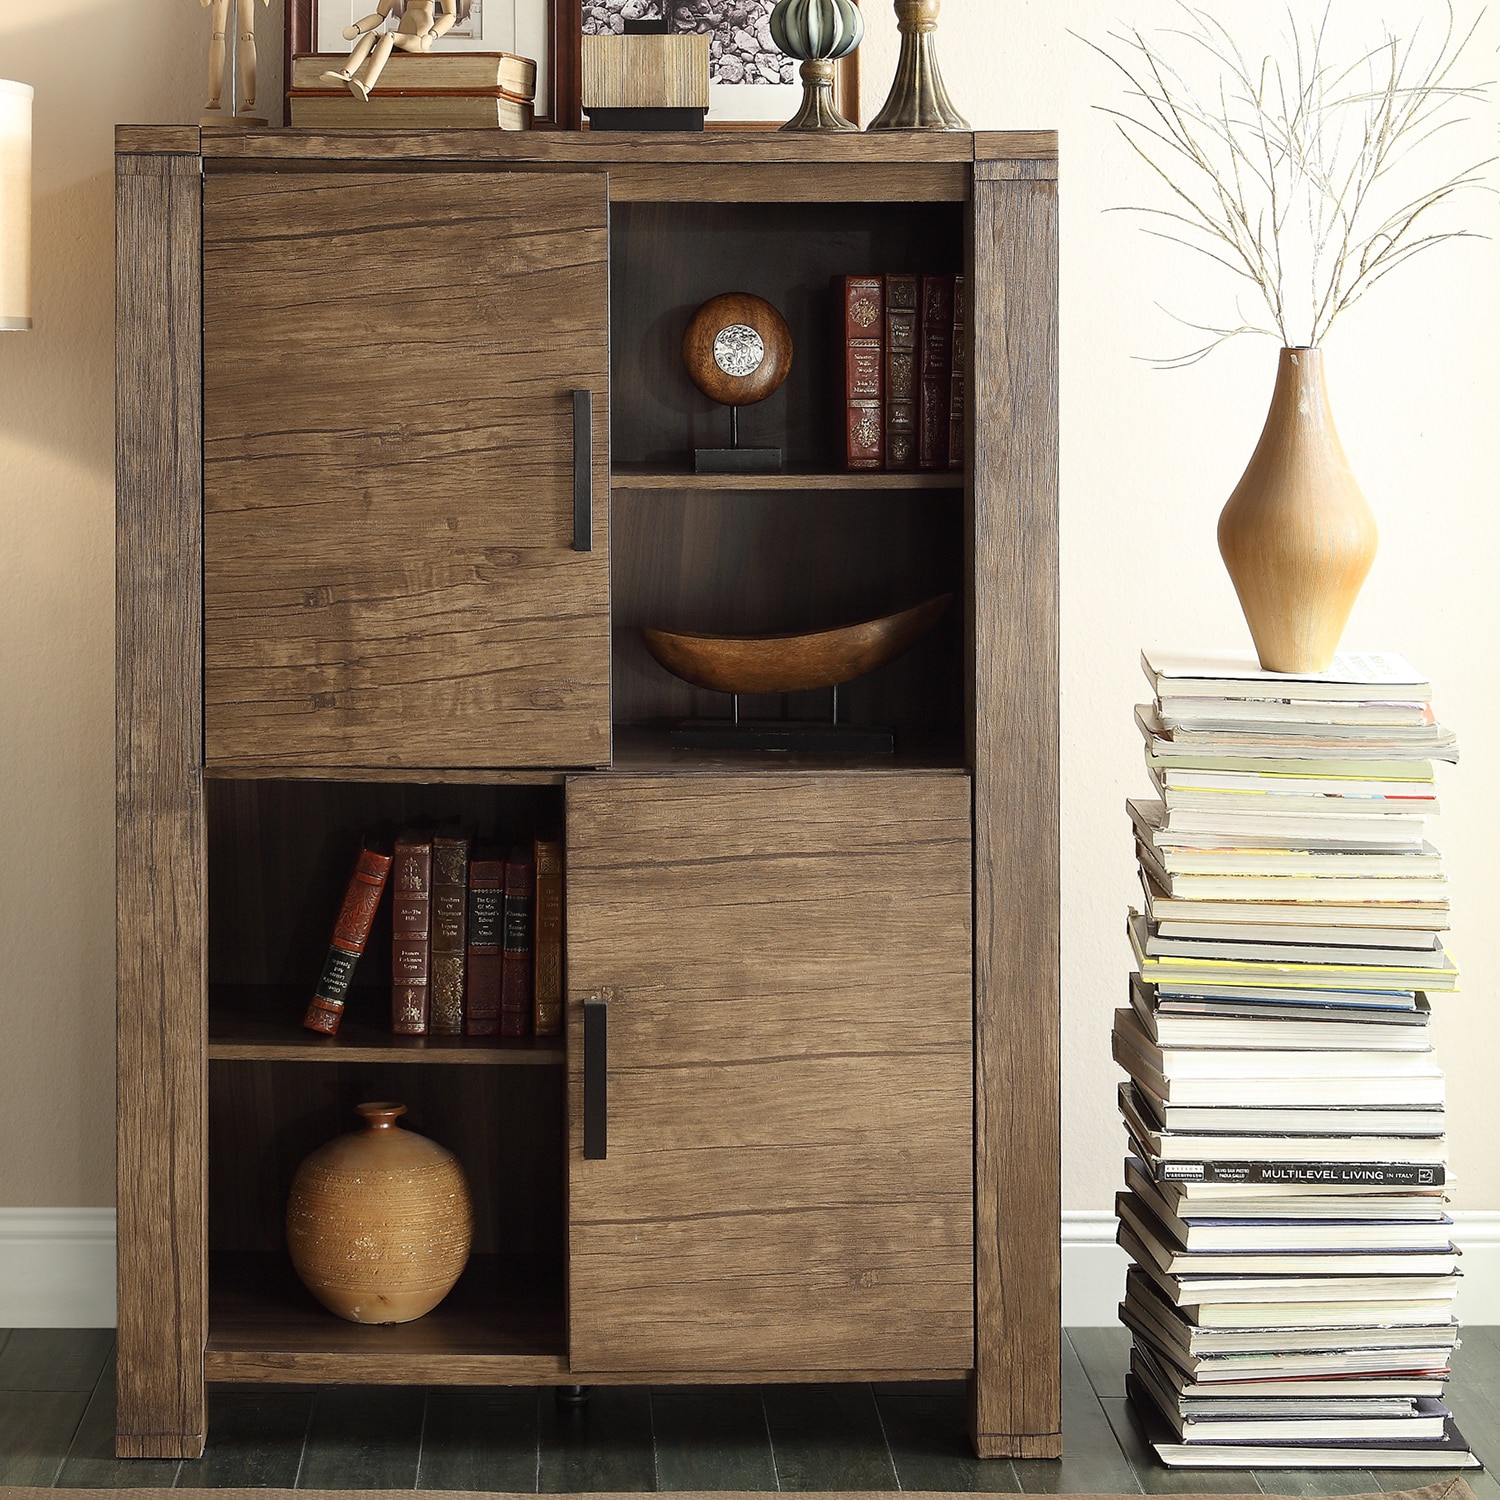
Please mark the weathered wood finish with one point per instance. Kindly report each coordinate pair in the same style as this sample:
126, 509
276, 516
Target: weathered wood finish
745, 878
593, 148
360, 331
772, 943
1016, 1391
161, 952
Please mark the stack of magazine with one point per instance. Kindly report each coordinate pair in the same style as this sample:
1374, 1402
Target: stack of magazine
1291, 1298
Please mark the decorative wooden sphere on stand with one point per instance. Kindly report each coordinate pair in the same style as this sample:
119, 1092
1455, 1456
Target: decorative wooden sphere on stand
379, 1221
819, 32
738, 351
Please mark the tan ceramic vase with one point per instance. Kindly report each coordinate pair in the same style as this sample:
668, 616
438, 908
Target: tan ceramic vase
379, 1221
1297, 536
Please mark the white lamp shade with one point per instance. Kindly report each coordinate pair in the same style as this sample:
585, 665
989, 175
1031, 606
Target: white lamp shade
15, 204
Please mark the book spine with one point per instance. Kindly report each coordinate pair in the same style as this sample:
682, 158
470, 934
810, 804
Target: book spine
450, 878
547, 1006
350, 934
958, 386
935, 402
901, 384
411, 936
862, 304
486, 945
515, 976
1309, 1173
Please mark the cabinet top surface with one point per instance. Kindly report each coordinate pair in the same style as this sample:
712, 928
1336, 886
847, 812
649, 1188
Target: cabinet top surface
585, 148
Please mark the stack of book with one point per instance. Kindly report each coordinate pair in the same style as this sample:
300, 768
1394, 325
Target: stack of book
902, 381
1291, 1298
476, 937
455, 90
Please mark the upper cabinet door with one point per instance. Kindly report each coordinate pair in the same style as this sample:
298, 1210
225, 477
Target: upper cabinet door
771, 1120
393, 524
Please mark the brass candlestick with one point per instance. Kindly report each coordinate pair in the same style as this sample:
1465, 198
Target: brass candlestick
918, 99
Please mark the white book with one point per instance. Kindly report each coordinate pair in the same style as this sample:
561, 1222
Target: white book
1389, 1313
1231, 1063
1160, 944
1268, 714
1375, 938
1221, 1023
1302, 1093
1362, 1348
1221, 1119
1241, 1291
1419, 792
1170, 969
1410, 916
1335, 889
1344, 747
1292, 803
1281, 1387
1275, 828
1156, 1245
1289, 858
1352, 676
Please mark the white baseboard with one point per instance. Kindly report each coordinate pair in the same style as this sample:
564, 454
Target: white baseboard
57, 1268
1093, 1274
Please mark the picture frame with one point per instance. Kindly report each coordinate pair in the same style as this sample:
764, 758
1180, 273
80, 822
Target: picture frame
557, 25
736, 106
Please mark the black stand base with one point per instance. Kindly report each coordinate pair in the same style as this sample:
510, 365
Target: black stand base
737, 461
646, 119
781, 734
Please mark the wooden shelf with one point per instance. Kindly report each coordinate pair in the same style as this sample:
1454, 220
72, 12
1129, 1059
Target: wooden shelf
632, 477
426, 776
503, 1324
263, 1023
645, 748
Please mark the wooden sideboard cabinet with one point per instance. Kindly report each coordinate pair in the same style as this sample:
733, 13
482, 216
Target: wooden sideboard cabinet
403, 463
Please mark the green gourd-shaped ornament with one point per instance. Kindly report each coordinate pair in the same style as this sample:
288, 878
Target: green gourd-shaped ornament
819, 32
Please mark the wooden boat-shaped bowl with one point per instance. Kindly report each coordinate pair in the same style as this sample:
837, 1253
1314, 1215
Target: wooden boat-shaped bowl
792, 663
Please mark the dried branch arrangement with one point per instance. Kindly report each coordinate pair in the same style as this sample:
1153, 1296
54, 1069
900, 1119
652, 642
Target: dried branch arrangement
1297, 174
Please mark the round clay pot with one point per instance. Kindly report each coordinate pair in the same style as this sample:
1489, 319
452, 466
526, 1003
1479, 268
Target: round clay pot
379, 1221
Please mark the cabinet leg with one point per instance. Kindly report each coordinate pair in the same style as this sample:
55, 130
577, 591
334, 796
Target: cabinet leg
573, 1396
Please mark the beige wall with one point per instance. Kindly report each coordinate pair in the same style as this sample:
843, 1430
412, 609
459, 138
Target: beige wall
1148, 459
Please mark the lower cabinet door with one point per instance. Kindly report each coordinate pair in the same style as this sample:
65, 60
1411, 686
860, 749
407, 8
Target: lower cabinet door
778, 978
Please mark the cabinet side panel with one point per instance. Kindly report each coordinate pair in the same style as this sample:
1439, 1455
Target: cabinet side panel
160, 952
1017, 1387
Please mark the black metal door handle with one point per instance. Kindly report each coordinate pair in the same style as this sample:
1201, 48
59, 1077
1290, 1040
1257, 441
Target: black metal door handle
583, 471
595, 1079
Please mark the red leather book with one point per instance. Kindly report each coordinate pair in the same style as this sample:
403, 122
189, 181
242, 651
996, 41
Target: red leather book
862, 308
959, 386
350, 934
547, 1005
515, 971
411, 934
901, 383
486, 943
935, 405
450, 926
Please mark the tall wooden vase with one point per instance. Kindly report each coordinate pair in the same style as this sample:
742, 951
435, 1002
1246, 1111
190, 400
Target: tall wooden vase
1297, 536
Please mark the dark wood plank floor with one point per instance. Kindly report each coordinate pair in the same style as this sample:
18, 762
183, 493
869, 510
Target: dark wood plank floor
57, 1395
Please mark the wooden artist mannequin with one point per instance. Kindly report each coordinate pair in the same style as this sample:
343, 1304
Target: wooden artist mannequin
244, 53
422, 23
